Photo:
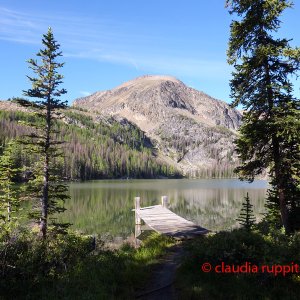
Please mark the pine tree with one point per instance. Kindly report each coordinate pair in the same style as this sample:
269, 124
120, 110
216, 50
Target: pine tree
9, 192
269, 137
246, 218
47, 186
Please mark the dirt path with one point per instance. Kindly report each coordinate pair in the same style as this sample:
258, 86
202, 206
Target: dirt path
161, 284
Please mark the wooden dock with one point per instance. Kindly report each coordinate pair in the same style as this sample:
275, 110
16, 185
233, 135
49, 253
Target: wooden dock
160, 219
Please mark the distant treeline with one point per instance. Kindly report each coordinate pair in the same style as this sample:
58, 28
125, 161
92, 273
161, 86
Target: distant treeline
92, 150
224, 170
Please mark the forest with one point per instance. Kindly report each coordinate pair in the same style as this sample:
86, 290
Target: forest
92, 150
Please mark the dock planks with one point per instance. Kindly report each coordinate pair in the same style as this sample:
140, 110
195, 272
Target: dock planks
164, 221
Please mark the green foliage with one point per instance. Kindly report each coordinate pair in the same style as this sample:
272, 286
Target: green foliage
67, 267
269, 137
153, 247
247, 218
9, 191
235, 249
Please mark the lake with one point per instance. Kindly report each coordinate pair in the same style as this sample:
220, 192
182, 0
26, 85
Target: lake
105, 206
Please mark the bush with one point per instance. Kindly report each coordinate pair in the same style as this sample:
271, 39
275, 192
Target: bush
67, 267
26, 260
236, 248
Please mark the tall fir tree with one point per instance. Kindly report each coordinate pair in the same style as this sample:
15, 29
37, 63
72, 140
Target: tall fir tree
246, 218
269, 137
47, 186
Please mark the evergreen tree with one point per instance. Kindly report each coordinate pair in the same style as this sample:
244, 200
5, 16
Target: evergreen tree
9, 196
269, 137
246, 218
46, 186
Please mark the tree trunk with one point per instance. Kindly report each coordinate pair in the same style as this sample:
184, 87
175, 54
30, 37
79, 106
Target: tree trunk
44, 200
8, 211
276, 156
280, 186
45, 197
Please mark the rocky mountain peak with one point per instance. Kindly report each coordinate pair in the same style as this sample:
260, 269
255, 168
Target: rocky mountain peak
160, 96
184, 122
151, 79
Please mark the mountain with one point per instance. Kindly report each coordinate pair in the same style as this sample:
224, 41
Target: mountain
191, 131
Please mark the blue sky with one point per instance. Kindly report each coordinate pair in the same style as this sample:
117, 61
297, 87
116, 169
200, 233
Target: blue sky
106, 43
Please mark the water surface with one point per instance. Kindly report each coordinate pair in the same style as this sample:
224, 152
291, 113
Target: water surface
105, 207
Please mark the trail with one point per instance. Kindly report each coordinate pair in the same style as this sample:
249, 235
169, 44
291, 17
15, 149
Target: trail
161, 284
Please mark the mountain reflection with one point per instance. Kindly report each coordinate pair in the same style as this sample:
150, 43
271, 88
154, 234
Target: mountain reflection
105, 207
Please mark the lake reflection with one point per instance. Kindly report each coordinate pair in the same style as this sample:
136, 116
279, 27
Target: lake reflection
105, 207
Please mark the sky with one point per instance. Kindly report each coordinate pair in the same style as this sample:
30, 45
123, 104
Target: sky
106, 43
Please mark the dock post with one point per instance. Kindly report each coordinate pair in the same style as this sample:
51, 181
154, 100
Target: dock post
164, 201
137, 207
138, 221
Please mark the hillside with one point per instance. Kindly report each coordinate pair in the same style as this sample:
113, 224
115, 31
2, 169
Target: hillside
95, 147
192, 131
